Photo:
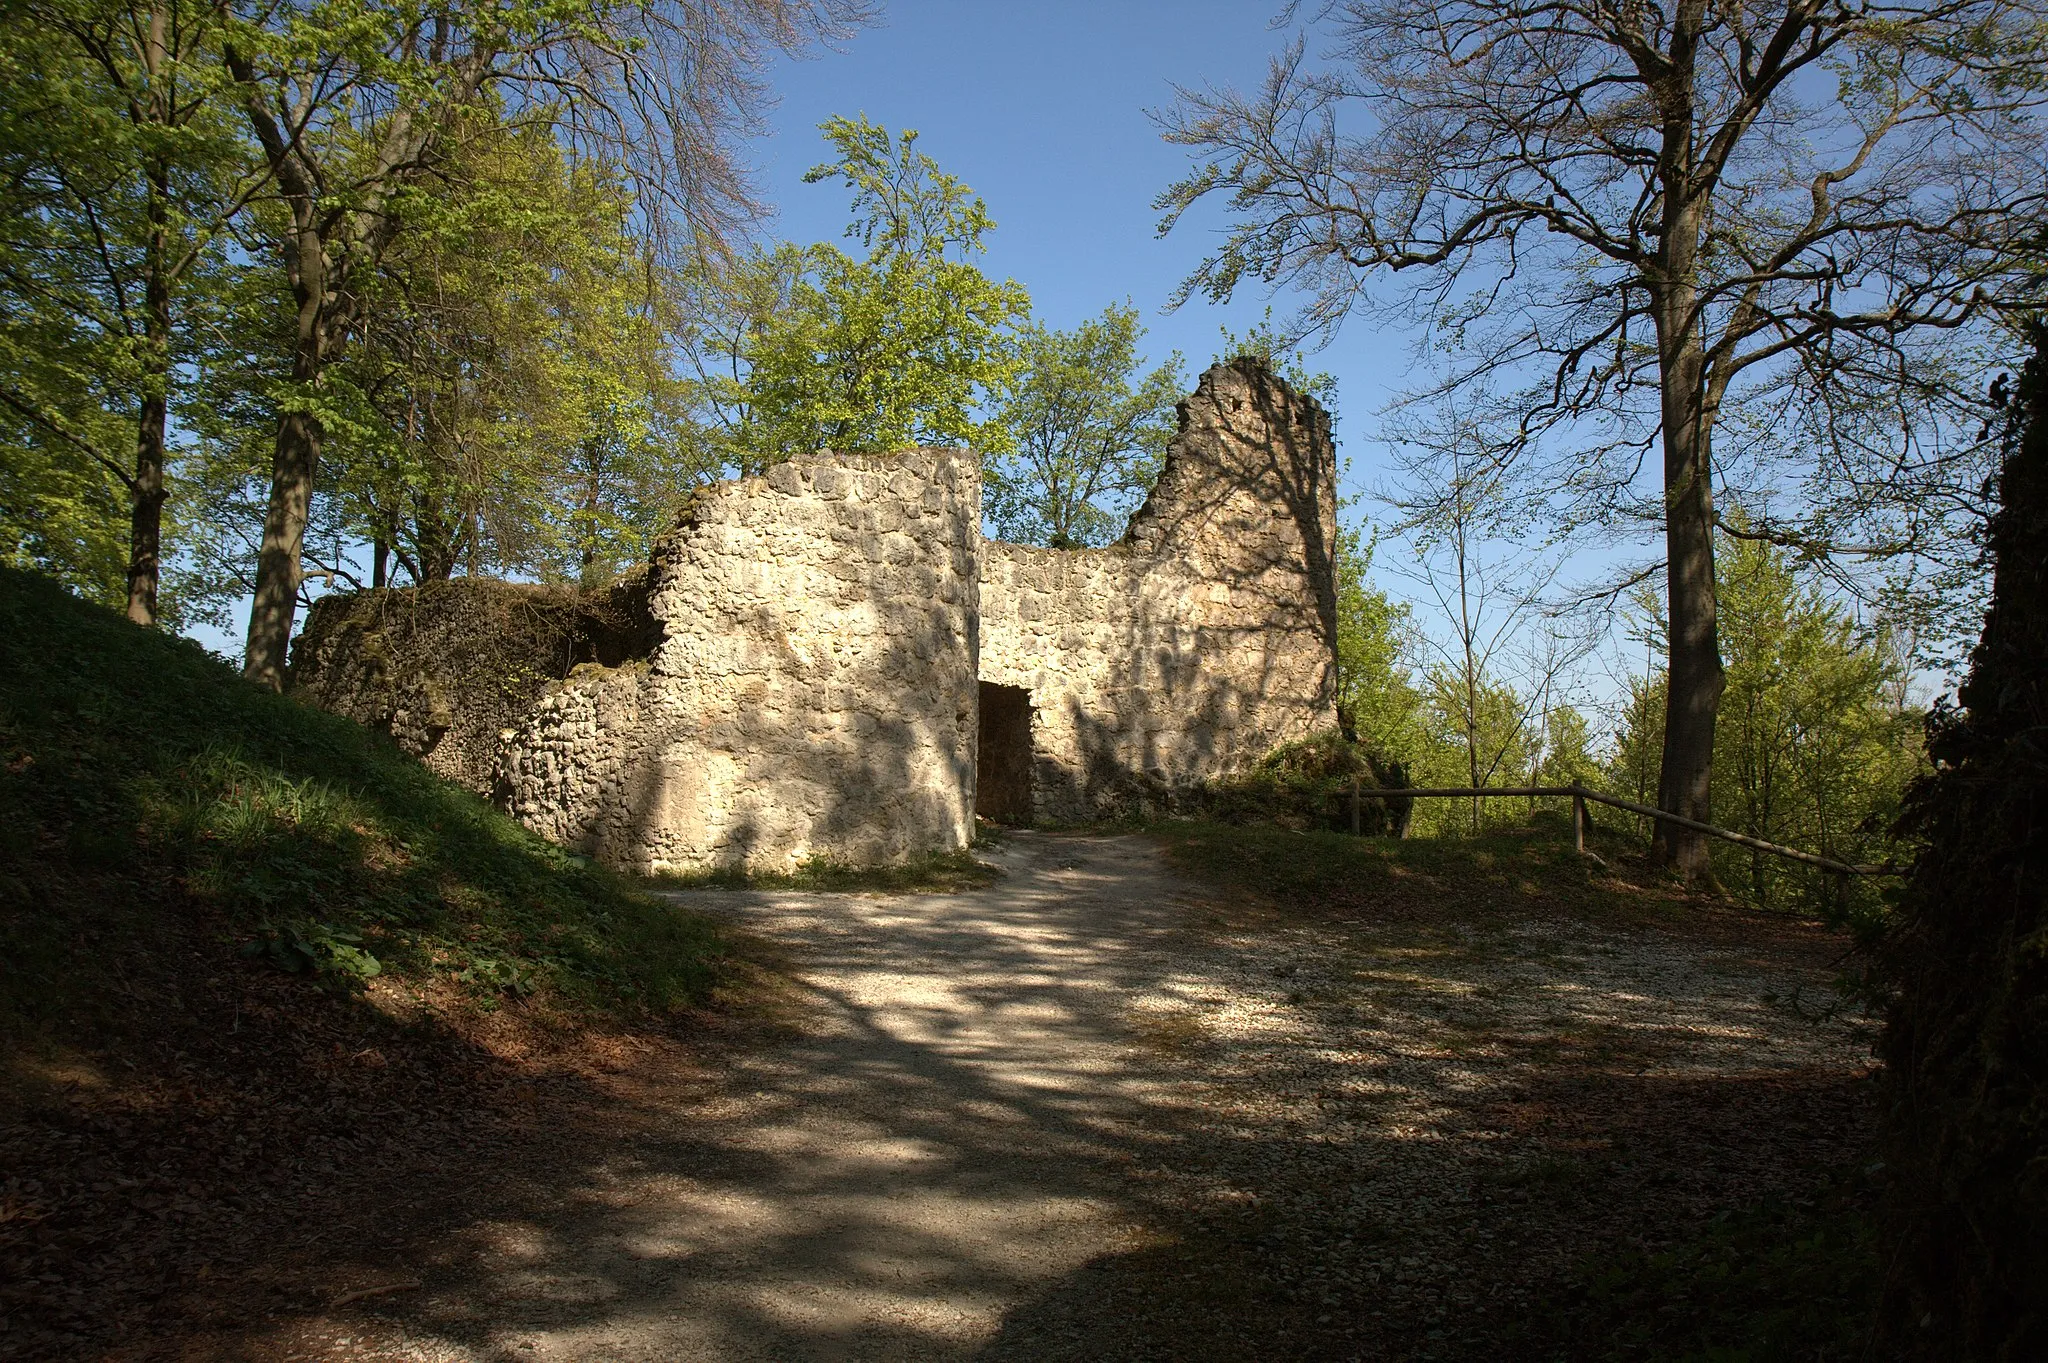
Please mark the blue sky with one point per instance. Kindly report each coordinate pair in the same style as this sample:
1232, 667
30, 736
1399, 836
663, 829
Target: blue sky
1043, 110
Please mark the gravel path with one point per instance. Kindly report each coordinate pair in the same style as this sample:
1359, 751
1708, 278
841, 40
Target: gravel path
1095, 1112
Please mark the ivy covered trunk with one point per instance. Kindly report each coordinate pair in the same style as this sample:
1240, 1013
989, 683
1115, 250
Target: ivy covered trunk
1966, 1043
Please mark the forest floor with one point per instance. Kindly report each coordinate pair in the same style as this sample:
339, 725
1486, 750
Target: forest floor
1115, 1105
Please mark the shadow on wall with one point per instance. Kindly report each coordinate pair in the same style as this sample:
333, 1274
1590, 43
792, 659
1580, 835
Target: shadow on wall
1204, 639
814, 692
865, 796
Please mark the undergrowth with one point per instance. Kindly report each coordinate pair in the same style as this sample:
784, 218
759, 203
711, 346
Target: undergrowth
146, 788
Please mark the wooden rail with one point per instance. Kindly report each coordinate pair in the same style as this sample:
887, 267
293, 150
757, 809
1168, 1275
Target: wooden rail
1579, 795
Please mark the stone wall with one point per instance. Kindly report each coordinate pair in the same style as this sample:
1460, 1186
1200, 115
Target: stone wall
801, 669
446, 668
813, 693
1203, 639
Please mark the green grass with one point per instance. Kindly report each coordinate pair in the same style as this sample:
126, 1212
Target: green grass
1319, 870
145, 788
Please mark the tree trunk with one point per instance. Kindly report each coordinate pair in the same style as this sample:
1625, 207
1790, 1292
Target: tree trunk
146, 511
147, 492
1692, 699
293, 469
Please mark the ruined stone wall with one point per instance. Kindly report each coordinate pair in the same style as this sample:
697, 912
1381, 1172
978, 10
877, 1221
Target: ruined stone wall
813, 694
798, 672
1203, 639
445, 668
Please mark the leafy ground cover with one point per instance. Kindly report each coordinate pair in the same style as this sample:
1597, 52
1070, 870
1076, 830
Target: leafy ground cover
250, 954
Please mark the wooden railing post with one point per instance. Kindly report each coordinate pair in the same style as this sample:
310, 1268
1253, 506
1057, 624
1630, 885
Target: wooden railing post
1355, 823
1578, 823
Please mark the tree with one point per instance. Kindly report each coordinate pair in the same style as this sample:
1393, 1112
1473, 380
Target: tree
812, 348
1814, 748
506, 393
351, 101
1500, 655
1655, 219
1085, 430
123, 173
1479, 731
1566, 756
1377, 703
1965, 1102
1817, 738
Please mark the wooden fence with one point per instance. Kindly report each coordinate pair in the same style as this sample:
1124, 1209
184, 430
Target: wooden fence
1579, 795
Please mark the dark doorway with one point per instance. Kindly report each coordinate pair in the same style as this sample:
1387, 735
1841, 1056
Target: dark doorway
1002, 784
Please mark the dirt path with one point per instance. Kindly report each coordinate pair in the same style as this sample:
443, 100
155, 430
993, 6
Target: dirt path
1093, 1112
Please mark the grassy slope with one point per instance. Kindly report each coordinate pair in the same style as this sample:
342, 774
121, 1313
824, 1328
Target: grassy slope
267, 986
1776, 1282
145, 787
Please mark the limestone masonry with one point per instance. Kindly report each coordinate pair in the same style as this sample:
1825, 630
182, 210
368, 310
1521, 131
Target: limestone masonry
830, 661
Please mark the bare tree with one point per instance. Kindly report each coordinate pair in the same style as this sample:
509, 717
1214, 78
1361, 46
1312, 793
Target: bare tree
351, 104
1654, 217
1502, 653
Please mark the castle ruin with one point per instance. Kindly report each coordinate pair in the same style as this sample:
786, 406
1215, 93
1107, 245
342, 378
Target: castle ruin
829, 660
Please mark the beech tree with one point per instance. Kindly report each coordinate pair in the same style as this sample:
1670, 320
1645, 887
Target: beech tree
351, 100
1648, 223
123, 172
1087, 427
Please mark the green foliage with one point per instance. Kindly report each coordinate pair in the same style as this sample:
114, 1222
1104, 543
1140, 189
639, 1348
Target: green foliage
1567, 754
119, 170
1375, 691
809, 348
300, 836
1634, 761
1816, 740
507, 401
1085, 433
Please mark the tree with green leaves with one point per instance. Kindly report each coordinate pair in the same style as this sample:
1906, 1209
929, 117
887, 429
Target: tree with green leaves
123, 172
812, 348
352, 103
1377, 702
1085, 428
1817, 740
1634, 226
1816, 743
506, 395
